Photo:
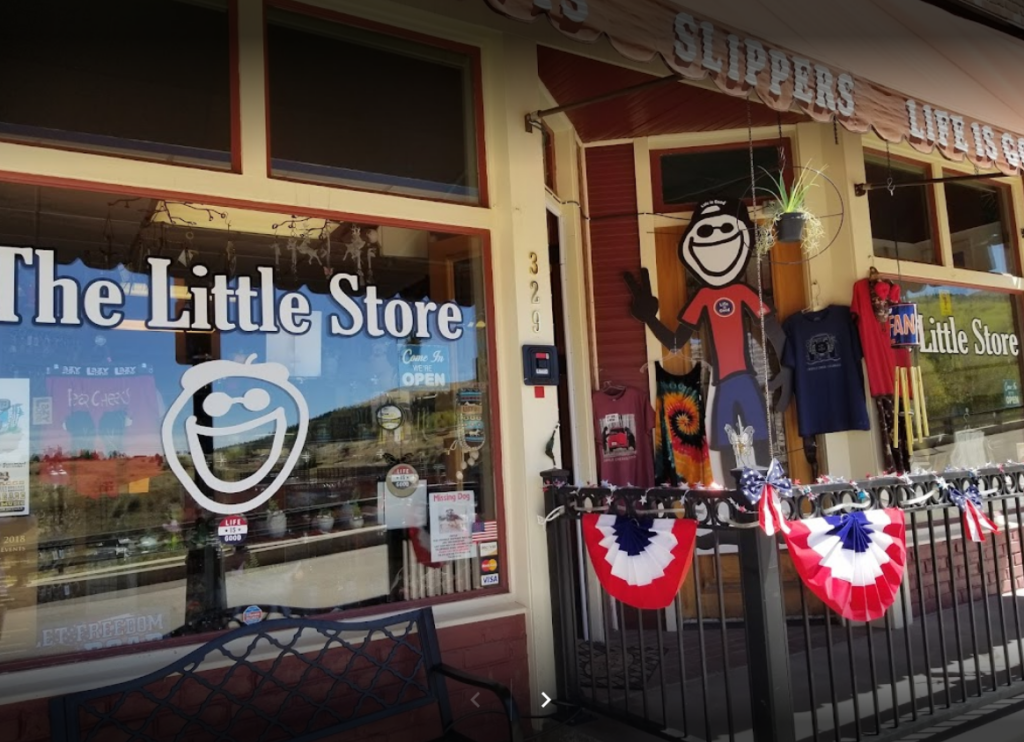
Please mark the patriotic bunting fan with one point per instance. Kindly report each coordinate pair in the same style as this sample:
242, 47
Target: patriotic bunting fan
854, 562
641, 562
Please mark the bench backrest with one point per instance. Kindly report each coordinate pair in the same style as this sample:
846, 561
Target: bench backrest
291, 678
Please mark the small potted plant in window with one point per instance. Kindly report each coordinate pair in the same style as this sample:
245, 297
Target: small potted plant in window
325, 521
277, 521
352, 514
791, 220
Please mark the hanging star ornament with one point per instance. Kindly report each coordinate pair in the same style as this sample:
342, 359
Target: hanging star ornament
641, 562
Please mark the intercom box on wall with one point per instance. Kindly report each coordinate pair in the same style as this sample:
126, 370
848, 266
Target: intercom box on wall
540, 365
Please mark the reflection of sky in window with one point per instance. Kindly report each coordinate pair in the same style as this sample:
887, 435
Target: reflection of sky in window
353, 370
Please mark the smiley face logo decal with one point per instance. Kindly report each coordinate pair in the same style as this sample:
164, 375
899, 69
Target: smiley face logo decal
256, 401
717, 243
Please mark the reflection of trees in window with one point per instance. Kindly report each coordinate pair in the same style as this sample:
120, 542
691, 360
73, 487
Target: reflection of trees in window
967, 390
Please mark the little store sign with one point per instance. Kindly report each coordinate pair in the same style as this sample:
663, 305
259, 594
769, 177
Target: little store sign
248, 306
947, 336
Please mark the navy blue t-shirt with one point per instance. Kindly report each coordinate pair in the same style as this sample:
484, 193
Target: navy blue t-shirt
824, 352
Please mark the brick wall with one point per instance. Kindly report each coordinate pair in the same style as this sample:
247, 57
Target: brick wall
966, 561
493, 649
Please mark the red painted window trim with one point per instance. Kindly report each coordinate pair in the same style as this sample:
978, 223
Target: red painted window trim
661, 207
473, 52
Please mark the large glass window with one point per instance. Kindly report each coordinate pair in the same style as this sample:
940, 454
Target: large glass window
205, 408
356, 107
685, 178
901, 221
979, 227
146, 79
970, 360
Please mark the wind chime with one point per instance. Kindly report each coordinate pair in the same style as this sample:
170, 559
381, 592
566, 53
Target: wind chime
470, 437
904, 334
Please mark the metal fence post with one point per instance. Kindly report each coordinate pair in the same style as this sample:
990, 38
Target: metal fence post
563, 590
764, 612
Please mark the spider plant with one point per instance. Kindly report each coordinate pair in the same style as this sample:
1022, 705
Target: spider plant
790, 200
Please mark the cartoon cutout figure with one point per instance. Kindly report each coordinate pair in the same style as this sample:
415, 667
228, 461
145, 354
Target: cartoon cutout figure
716, 249
219, 404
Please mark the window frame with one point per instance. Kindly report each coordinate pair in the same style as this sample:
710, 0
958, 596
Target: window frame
333, 16
494, 419
656, 155
235, 112
934, 223
1007, 215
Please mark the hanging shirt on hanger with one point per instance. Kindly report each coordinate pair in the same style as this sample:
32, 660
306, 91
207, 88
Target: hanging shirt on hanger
824, 352
872, 312
622, 419
680, 444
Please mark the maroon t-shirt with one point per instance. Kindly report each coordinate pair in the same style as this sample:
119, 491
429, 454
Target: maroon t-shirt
623, 437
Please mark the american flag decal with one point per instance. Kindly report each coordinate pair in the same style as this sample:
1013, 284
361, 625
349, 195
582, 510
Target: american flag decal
485, 531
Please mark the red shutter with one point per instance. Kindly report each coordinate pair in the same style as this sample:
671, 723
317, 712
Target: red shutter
615, 248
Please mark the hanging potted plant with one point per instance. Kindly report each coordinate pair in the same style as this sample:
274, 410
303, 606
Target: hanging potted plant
277, 521
791, 221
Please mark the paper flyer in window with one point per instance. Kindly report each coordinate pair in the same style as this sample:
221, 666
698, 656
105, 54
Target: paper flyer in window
14, 446
451, 525
402, 512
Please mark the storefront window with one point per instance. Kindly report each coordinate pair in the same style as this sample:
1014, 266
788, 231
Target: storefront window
970, 360
354, 107
685, 178
204, 408
901, 221
149, 80
979, 227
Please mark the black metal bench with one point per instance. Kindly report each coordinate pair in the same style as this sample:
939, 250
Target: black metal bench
289, 678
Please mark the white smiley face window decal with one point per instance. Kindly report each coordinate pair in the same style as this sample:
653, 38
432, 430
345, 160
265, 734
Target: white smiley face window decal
218, 405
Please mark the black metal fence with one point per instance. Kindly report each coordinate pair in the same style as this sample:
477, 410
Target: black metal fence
747, 652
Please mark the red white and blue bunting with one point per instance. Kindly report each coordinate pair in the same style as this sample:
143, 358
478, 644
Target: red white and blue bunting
764, 491
854, 562
975, 520
641, 562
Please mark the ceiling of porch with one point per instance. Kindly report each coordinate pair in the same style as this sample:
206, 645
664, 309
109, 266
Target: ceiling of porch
664, 109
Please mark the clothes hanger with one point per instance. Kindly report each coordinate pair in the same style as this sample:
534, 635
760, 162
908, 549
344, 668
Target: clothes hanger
815, 297
612, 390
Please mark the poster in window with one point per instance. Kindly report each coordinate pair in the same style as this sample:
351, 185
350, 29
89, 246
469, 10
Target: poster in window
451, 523
14, 446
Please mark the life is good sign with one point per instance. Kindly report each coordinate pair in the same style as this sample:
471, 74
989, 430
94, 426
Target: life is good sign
242, 303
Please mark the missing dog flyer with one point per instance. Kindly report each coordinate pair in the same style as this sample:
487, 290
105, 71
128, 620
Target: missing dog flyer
14, 446
451, 525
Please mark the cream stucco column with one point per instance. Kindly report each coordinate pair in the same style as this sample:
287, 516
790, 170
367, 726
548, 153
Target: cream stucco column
832, 273
519, 236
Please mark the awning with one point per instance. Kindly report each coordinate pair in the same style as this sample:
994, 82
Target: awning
923, 75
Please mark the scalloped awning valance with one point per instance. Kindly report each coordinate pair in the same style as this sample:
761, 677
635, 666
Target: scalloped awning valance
902, 68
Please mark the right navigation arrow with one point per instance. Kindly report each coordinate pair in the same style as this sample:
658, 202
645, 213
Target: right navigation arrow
547, 699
